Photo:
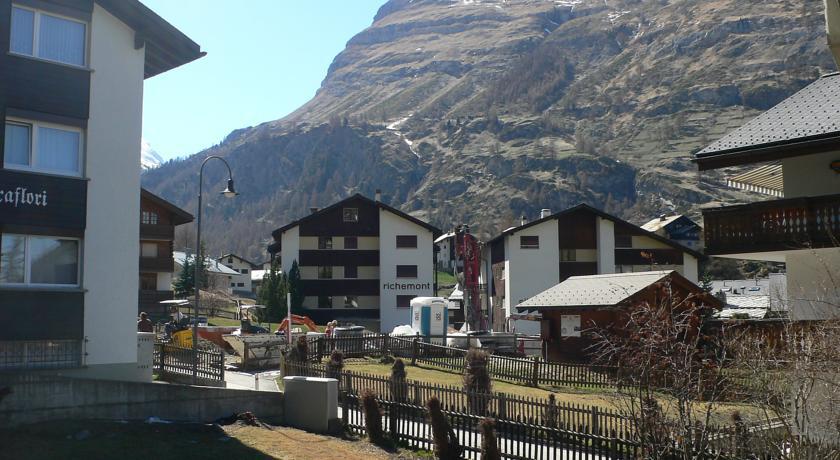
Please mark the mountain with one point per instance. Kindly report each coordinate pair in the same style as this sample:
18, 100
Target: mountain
149, 158
479, 112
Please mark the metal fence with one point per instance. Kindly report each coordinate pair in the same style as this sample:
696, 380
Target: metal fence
177, 362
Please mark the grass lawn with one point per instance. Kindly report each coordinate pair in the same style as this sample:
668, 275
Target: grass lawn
94, 440
606, 398
446, 278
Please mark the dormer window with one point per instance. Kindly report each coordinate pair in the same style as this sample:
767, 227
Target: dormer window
351, 215
48, 36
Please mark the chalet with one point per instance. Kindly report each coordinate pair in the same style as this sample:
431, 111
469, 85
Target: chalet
795, 150
240, 285
585, 303
581, 240
158, 219
678, 228
361, 261
71, 102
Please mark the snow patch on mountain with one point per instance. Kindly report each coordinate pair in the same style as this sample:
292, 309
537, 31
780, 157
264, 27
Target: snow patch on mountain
149, 158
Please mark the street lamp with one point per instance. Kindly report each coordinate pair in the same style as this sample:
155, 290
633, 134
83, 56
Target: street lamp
228, 192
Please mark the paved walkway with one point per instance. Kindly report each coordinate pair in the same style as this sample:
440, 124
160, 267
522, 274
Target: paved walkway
263, 381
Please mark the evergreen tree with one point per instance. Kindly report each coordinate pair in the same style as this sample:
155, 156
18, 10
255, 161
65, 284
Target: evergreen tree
183, 286
295, 288
273, 293
706, 282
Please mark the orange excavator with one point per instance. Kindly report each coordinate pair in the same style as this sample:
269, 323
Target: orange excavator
297, 319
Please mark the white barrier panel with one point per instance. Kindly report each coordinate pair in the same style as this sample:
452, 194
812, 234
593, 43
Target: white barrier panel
310, 402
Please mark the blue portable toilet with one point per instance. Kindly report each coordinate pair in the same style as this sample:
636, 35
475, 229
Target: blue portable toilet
429, 316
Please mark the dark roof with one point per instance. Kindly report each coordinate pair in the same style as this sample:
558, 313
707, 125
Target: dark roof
598, 212
179, 216
435, 231
805, 123
166, 46
223, 256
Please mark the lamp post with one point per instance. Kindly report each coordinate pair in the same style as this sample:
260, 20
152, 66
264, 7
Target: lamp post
228, 192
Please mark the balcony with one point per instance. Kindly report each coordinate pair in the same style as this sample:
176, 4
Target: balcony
770, 226
157, 264
149, 301
157, 232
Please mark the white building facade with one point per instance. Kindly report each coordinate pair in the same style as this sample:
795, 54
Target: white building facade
72, 104
361, 262
582, 240
242, 283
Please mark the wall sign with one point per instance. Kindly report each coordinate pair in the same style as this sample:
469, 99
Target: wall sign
569, 325
406, 286
35, 200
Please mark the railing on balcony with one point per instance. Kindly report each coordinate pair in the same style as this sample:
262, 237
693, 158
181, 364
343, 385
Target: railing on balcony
157, 232
779, 225
149, 301
157, 264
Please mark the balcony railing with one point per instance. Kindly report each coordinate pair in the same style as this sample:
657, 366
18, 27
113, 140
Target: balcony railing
157, 232
157, 264
779, 225
149, 301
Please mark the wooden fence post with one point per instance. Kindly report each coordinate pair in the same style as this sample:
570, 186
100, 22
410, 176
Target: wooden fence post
245, 360
385, 348
595, 424
345, 409
535, 376
502, 402
414, 350
319, 347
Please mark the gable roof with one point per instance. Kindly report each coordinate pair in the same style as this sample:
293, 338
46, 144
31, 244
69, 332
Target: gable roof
594, 290
598, 212
213, 266
660, 222
435, 231
224, 256
179, 216
606, 290
807, 122
166, 46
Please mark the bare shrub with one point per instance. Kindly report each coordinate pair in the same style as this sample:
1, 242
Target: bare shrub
373, 417
477, 381
489, 447
447, 446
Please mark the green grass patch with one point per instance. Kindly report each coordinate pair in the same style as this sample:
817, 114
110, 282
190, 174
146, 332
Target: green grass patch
446, 278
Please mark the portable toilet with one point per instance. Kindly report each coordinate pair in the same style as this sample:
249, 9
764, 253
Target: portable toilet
429, 315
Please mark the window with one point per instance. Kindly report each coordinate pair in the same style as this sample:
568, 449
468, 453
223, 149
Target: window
325, 242
232, 284
149, 250
325, 273
623, 241
149, 218
529, 242
39, 260
568, 255
406, 271
324, 301
240, 284
148, 282
43, 148
244, 271
406, 241
230, 260
404, 301
351, 215
46, 36
351, 271
351, 301
351, 242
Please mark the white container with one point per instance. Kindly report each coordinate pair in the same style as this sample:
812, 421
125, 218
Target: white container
310, 402
429, 316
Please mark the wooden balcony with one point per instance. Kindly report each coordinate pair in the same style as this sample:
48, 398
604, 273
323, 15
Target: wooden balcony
769, 226
157, 232
149, 301
157, 264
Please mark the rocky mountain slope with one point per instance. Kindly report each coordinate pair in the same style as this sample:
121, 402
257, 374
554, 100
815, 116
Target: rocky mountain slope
481, 111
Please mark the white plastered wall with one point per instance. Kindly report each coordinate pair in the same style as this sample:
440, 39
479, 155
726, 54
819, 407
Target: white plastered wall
111, 246
813, 283
290, 248
810, 175
605, 232
531, 271
391, 225
689, 268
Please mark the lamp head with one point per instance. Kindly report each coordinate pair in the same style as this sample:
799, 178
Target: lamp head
230, 190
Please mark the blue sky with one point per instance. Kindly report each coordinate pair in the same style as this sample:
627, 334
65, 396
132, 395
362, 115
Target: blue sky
265, 58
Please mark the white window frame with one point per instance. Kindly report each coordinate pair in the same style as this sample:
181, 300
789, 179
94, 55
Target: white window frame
27, 264
36, 31
33, 147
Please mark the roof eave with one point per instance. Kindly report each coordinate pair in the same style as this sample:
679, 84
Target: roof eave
766, 152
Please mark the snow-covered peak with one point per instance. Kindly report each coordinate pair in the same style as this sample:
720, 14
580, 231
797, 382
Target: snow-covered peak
149, 159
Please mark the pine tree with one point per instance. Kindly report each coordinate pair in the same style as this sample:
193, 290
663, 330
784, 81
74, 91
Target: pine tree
295, 288
273, 293
184, 285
